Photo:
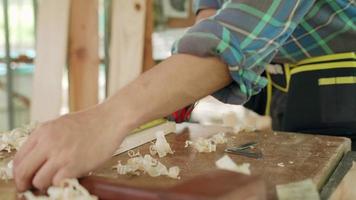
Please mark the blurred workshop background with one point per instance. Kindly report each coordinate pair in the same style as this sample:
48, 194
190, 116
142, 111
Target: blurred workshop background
18, 21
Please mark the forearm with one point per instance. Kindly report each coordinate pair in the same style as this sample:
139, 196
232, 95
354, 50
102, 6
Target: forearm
176, 82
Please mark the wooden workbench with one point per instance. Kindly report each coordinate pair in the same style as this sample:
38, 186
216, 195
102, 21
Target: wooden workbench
303, 156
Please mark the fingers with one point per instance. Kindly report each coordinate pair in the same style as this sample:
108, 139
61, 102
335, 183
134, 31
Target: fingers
44, 176
24, 150
27, 167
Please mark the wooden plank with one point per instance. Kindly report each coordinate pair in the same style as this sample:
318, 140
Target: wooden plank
148, 61
51, 58
83, 54
212, 185
127, 42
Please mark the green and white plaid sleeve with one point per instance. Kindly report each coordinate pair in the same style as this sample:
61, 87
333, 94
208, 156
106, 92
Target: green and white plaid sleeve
245, 34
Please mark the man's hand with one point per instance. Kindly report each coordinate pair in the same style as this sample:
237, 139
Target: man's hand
68, 147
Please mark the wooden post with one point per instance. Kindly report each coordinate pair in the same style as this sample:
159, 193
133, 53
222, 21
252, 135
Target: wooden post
83, 54
148, 61
51, 58
127, 42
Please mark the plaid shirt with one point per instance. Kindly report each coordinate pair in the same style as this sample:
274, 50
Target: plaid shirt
248, 34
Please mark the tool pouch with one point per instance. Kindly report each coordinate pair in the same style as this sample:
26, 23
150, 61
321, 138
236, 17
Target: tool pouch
322, 96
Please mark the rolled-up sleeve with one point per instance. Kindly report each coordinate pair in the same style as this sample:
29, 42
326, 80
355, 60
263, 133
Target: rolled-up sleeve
244, 34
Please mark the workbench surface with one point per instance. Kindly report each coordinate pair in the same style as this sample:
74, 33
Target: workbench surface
303, 156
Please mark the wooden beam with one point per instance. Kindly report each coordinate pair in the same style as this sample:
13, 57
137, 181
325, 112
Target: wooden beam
148, 61
127, 42
83, 54
51, 58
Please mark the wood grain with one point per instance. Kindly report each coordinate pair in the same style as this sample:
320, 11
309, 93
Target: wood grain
213, 185
148, 61
83, 69
51, 59
127, 42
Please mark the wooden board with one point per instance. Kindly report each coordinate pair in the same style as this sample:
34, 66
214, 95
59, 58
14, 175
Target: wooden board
127, 42
313, 157
51, 59
83, 69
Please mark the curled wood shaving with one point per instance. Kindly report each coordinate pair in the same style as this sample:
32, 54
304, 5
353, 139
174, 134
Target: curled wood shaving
132, 153
6, 170
227, 163
209, 144
281, 164
146, 164
70, 189
161, 147
13, 140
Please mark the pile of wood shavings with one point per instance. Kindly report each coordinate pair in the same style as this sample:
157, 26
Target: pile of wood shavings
13, 140
138, 164
70, 189
207, 145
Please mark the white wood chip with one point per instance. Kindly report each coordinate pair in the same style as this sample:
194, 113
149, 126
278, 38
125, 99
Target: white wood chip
226, 163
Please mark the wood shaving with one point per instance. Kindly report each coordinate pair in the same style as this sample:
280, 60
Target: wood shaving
132, 153
146, 164
226, 163
207, 145
6, 170
70, 189
14, 139
161, 147
281, 164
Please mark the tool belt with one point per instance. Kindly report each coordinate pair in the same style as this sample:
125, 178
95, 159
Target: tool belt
321, 95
